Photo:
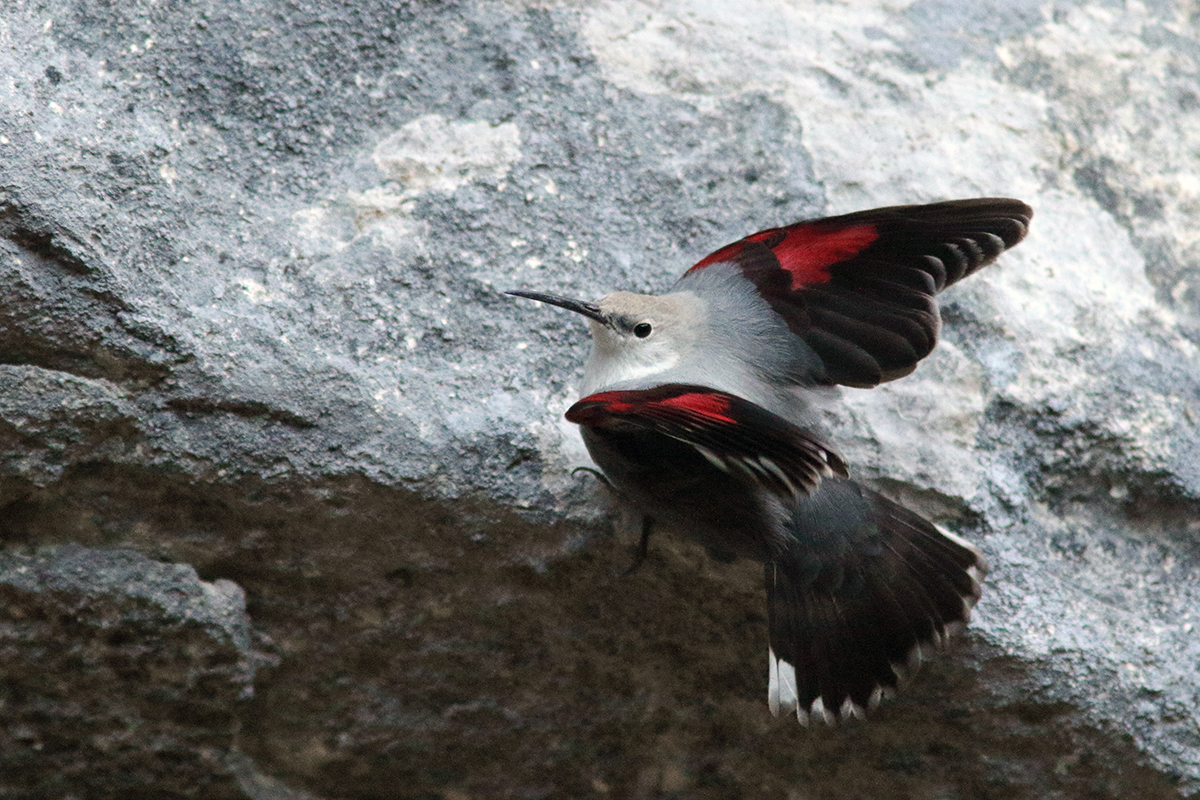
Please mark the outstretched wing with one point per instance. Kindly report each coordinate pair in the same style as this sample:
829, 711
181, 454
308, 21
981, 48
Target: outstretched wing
734, 435
859, 288
862, 592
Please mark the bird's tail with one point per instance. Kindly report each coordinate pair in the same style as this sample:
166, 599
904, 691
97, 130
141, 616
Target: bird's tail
863, 591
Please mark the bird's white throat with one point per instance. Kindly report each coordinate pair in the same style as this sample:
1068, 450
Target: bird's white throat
617, 360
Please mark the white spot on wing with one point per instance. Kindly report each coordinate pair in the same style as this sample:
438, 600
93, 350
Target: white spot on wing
851, 709
711, 458
958, 540
977, 571
819, 710
772, 682
781, 687
774, 469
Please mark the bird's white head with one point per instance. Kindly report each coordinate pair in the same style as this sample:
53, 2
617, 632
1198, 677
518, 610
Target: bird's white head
634, 336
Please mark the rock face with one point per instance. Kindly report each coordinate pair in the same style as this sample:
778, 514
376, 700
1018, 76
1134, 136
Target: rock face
120, 672
252, 343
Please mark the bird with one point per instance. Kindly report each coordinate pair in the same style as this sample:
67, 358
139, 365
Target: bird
702, 408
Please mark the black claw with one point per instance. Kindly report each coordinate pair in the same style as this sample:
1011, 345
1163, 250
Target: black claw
643, 548
600, 476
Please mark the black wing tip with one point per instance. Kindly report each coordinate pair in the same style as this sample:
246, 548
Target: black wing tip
969, 208
1004, 217
1011, 216
877, 318
842, 649
857, 692
854, 699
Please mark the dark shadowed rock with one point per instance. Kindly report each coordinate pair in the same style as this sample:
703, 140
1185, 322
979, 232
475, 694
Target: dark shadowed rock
122, 675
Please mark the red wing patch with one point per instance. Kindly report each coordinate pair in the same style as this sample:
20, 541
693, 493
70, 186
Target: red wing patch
805, 251
610, 402
706, 406
710, 406
859, 288
731, 434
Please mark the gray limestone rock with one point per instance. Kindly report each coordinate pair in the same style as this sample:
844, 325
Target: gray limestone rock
252, 330
121, 675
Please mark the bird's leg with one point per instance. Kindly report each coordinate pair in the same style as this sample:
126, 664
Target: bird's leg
643, 547
647, 523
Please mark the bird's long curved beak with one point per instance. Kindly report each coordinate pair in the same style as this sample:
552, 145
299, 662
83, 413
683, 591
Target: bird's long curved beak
589, 310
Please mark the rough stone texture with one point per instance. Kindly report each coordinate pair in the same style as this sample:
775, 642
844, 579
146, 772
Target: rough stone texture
250, 322
118, 672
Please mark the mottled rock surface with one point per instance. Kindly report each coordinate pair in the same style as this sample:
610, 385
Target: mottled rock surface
252, 343
119, 672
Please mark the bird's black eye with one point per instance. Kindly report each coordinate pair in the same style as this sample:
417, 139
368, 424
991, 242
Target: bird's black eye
642, 330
